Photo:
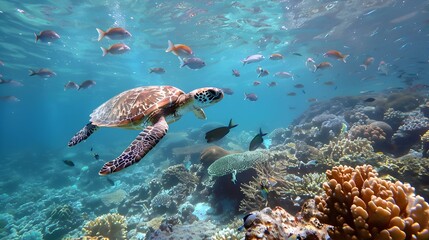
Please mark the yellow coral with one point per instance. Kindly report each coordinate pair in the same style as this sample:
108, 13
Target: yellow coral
425, 137
359, 205
112, 226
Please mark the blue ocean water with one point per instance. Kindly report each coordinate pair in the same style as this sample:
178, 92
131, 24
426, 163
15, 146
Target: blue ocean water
35, 130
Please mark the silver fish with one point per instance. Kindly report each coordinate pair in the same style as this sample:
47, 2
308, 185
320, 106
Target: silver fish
43, 72
253, 59
192, 63
46, 36
9, 99
71, 85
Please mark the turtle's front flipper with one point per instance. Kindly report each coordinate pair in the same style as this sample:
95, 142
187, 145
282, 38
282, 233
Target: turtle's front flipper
83, 134
144, 142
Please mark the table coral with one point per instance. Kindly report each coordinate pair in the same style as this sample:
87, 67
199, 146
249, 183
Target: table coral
113, 198
112, 226
359, 205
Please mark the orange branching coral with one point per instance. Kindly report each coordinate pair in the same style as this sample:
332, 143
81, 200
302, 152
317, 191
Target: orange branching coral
359, 205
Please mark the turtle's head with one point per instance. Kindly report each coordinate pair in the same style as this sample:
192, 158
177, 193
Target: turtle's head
204, 97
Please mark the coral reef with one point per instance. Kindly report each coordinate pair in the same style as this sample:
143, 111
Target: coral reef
394, 118
359, 205
113, 198
345, 148
425, 143
404, 101
369, 131
276, 223
211, 154
177, 174
236, 163
228, 234
112, 226
197, 230
61, 220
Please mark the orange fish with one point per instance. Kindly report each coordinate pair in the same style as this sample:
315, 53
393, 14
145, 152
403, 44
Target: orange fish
116, 33
336, 54
118, 48
276, 56
323, 65
180, 50
367, 62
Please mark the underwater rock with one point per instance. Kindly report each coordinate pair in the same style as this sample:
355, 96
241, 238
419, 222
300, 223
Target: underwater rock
211, 154
276, 223
359, 205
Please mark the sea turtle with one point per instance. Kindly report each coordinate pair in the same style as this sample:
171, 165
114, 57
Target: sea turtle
149, 108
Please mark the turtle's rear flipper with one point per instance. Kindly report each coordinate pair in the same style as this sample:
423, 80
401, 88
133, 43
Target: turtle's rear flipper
144, 142
83, 134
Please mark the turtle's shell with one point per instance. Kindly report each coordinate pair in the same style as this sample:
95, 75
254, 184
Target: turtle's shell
133, 106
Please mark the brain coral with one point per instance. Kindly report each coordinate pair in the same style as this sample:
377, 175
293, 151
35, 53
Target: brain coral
359, 205
112, 226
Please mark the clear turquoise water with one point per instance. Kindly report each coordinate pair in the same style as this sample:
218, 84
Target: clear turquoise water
34, 132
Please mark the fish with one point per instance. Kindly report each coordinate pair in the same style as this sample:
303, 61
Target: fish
329, 83
303, 91
192, 63
228, 91
248, 221
43, 72
297, 54
323, 65
71, 85
263, 73
118, 48
96, 156
276, 56
257, 141
283, 75
158, 70
370, 99
299, 85
235, 73
9, 99
220, 132
336, 55
367, 62
312, 100
252, 59
383, 68
11, 82
47, 36
271, 84
110, 181
251, 97
116, 33
1, 63
69, 162
86, 84
180, 50
311, 64
256, 83
291, 94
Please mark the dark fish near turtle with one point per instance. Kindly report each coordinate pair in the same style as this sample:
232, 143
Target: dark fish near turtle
46, 36
228, 91
370, 99
86, 84
71, 85
257, 141
220, 132
68, 162
158, 70
43, 72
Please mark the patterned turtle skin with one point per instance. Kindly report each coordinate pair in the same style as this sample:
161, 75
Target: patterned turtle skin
149, 108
